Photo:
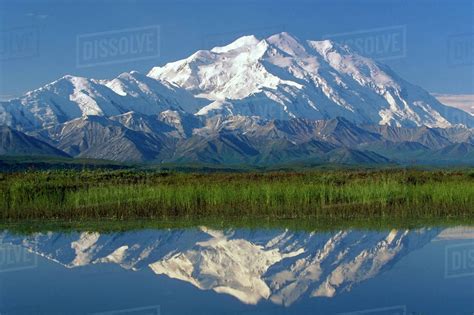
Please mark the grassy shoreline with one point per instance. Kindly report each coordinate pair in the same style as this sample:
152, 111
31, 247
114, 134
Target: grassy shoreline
219, 223
334, 194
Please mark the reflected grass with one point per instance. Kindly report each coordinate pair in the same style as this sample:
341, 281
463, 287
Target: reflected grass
309, 224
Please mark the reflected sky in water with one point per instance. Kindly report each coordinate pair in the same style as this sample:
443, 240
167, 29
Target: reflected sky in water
239, 271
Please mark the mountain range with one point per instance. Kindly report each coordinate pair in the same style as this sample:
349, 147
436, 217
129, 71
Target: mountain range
255, 101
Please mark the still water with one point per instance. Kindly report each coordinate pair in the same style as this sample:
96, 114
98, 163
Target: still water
239, 271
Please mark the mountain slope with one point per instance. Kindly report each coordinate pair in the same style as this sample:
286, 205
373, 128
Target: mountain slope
351, 156
452, 154
405, 151
429, 137
102, 138
223, 148
72, 97
14, 142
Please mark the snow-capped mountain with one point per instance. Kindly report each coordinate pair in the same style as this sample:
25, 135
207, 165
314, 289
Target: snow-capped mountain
254, 101
281, 77
277, 265
278, 77
74, 97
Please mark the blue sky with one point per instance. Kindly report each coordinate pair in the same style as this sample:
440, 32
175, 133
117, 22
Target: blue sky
432, 28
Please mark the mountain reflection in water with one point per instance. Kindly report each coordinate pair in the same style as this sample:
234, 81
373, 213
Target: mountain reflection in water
281, 266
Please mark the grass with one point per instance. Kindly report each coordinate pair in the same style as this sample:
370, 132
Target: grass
11, 164
132, 194
309, 224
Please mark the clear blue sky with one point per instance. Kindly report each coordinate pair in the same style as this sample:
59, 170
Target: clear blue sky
186, 26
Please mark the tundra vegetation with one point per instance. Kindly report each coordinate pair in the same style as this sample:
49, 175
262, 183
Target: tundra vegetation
344, 194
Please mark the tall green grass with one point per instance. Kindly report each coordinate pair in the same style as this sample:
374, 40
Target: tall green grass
328, 194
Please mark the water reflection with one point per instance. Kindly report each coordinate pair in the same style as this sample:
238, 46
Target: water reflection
236, 271
279, 266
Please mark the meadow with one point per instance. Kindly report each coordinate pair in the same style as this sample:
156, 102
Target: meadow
329, 194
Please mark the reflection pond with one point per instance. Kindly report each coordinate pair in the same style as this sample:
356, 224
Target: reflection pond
206, 270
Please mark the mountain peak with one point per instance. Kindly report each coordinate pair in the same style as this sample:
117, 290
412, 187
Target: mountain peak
130, 74
282, 36
67, 77
73, 78
287, 43
244, 41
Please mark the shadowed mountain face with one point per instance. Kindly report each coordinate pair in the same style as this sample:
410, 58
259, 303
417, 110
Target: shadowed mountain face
276, 265
102, 138
176, 136
14, 142
254, 101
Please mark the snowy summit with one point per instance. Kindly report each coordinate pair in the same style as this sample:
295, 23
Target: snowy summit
279, 77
